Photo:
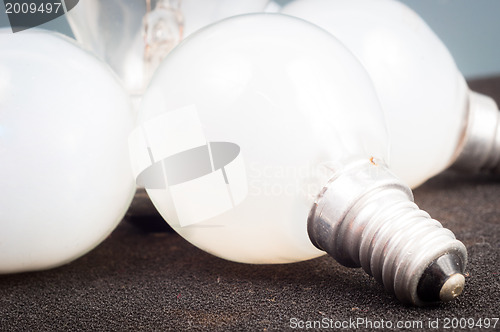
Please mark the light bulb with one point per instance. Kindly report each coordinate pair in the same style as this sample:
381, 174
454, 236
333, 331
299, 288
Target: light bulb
262, 141
65, 178
433, 117
133, 36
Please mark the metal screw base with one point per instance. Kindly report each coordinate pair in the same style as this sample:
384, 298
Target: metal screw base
480, 146
366, 217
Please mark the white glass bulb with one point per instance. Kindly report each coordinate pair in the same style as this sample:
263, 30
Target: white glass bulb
429, 108
254, 145
65, 179
282, 106
133, 36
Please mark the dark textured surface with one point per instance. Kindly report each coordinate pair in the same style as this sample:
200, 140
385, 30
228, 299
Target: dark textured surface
157, 281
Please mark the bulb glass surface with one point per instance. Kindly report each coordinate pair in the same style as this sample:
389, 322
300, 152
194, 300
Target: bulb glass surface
418, 84
114, 30
65, 174
265, 83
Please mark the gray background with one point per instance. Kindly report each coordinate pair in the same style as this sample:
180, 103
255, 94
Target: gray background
470, 29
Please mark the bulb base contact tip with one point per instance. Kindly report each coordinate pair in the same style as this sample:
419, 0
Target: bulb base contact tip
365, 217
452, 288
442, 280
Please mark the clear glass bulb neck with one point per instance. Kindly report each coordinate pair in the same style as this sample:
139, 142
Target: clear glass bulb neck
479, 149
162, 30
366, 217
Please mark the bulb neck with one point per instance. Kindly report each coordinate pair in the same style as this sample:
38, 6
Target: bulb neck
365, 217
479, 149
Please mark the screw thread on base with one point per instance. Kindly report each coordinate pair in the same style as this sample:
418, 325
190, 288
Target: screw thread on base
480, 146
366, 217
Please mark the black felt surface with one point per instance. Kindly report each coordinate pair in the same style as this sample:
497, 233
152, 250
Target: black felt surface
157, 281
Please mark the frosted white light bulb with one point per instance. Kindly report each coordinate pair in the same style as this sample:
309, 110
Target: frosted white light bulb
433, 117
65, 179
251, 147
133, 36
